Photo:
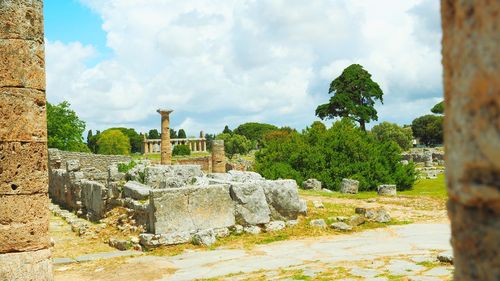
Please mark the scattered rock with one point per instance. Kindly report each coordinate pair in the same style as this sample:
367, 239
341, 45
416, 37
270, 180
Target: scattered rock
318, 205
135, 240
342, 226
349, 186
155, 240
222, 232
250, 203
274, 226
204, 237
318, 223
378, 215
237, 229
252, 229
339, 218
119, 244
283, 199
446, 257
386, 190
326, 190
311, 184
292, 223
136, 190
356, 220
360, 211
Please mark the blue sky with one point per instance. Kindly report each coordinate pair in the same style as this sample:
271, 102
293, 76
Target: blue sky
229, 62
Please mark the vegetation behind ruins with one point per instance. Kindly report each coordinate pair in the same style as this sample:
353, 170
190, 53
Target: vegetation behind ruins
330, 154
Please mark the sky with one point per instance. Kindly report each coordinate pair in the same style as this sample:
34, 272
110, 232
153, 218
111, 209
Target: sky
225, 62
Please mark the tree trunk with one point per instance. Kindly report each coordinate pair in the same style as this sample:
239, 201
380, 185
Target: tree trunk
362, 125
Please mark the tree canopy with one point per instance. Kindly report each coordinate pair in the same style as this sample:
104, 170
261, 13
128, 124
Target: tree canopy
113, 142
254, 131
135, 138
438, 108
387, 131
429, 129
354, 96
153, 134
64, 128
227, 130
181, 134
235, 144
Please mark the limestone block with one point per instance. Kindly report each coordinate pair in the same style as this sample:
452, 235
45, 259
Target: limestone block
16, 237
318, 223
312, 184
21, 20
252, 229
342, 226
26, 266
250, 203
72, 165
283, 199
163, 176
22, 64
23, 208
191, 209
386, 190
94, 197
239, 176
22, 115
378, 215
204, 237
23, 168
149, 240
136, 190
349, 186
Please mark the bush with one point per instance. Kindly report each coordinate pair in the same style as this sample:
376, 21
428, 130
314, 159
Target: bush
387, 131
342, 151
125, 167
181, 149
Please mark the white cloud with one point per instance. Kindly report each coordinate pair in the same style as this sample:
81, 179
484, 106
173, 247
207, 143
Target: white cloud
230, 62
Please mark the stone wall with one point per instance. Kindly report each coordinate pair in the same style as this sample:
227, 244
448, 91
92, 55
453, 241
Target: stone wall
204, 162
471, 61
24, 214
58, 159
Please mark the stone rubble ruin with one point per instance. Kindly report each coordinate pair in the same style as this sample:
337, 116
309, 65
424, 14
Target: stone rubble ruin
174, 203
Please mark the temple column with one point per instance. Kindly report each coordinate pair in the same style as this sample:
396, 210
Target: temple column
146, 148
471, 64
218, 157
166, 147
24, 212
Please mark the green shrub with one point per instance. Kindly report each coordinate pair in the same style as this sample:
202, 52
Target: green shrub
181, 150
113, 142
387, 131
125, 167
235, 144
342, 151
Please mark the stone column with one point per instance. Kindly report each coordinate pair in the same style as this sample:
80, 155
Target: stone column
204, 142
166, 146
24, 214
471, 61
146, 147
218, 157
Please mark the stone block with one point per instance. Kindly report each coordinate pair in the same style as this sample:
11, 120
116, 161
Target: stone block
149, 240
22, 64
274, 226
72, 165
250, 203
349, 186
23, 208
24, 168
311, 184
174, 176
17, 237
386, 190
22, 115
29, 266
191, 209
283, 199
136, 190
239, 176
94, 197
204, 237
21, 20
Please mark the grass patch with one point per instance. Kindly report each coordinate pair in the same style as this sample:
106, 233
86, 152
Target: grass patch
429, 187
335, 194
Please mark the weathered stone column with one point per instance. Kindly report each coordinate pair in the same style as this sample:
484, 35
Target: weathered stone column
146, 146
24, 214
471, 60
166, 146
218, 157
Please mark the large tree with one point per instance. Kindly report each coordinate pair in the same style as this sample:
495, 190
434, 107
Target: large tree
135, 139
254, 131
235, 144
438, 108
64, 128
429, 129
113, 142
153, 134
354, 95
387, 131
181, 134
